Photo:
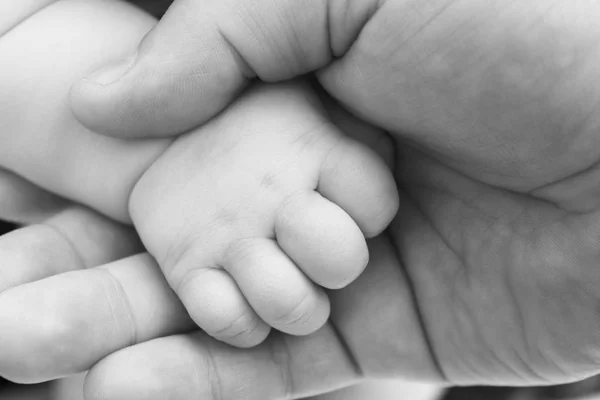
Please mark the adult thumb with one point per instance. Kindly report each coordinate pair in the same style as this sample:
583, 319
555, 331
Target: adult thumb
203, 52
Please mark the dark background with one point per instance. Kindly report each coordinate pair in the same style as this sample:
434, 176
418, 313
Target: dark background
5, 227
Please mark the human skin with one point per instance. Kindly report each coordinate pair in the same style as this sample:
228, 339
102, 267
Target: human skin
249, 216
492, 109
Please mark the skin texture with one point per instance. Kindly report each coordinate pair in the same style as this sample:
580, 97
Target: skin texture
254, 213
489, 273
249, 216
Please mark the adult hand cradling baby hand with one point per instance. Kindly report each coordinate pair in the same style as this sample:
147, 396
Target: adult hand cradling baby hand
489, 271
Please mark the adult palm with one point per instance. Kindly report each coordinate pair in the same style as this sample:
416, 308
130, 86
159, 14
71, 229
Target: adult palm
498, 144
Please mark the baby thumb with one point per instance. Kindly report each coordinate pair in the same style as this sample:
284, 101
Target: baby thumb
202, 53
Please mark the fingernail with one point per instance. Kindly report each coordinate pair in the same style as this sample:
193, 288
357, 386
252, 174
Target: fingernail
111, 73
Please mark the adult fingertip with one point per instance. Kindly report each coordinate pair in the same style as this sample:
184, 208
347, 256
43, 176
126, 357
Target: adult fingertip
97, 103
33, 344
148, 100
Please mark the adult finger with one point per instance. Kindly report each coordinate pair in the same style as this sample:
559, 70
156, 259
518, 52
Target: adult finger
197, 366
73, 239
202, 53
64, 324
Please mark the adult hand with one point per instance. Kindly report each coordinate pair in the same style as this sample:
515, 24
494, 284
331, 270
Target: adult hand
492, 106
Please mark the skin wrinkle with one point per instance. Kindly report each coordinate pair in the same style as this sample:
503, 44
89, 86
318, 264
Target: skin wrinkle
295, 67
523, 328
515, 220
538, 192
247, 71
230, 38
298, 54
426, 24
216, 385
125, 302
224, 332
304, 316
352, 358
340, 43
428, 339
279, 350
77, 255
465, 262
473, 283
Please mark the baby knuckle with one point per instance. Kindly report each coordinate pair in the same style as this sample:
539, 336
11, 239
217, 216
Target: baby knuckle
296, 313
241, 249
243, 326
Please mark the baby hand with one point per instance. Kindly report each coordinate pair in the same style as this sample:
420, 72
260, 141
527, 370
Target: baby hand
253, 214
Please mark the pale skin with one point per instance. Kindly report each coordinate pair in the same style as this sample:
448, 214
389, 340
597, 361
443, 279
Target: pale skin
249, 216
498, 228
